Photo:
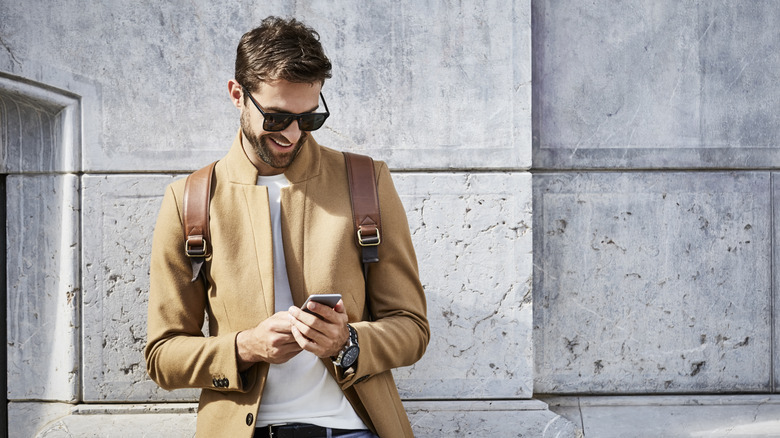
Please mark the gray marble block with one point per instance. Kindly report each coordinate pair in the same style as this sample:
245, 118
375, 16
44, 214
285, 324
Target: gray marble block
43, 287
479, 304
473, 239
776, 275
119, 212
431, 84
656, 84
422, 84
652, 282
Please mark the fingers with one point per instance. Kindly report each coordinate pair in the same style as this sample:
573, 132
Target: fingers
323, 332
277, 348
316, 342
278, 354
279, 322
323, 319
270, 341
333, 314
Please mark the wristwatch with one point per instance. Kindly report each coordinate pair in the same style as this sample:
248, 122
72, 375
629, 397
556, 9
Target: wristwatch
349, 354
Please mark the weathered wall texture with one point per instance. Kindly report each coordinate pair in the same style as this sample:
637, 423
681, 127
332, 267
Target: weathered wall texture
654, 198
637, 85
103, 105
655, 159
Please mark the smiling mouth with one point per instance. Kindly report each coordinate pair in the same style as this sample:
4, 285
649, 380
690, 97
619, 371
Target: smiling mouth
280, 143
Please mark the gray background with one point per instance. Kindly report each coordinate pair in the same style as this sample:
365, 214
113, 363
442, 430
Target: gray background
667, 273
591, 189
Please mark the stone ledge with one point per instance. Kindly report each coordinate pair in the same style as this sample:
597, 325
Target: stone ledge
501, 418
752, 415
146, 408
523, 418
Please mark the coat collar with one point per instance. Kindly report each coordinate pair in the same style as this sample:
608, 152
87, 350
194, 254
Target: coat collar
305, 166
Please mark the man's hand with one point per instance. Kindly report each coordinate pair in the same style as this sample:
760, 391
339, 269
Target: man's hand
270, 341
323, 333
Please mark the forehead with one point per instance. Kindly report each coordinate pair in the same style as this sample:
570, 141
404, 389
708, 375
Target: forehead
292, 97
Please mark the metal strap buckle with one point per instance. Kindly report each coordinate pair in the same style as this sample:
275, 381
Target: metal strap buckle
195, 249
271, 428
369, 240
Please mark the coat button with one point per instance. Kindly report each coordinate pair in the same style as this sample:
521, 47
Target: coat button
226, 382
214, 381
249, 419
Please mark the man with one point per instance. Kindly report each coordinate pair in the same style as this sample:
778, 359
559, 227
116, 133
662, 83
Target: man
281, 230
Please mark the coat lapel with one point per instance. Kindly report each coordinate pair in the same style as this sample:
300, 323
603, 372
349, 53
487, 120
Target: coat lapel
254, 209
260, 219
293, 227
243, 177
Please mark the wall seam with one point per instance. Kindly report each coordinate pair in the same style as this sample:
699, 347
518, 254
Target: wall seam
772, 285
4, 302
80, 285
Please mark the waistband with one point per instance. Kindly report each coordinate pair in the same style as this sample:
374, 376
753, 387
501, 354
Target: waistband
298, 430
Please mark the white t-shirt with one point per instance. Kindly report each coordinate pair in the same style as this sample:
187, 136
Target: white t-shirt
300, 390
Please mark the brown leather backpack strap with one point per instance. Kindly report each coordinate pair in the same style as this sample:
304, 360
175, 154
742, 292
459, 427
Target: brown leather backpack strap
197, 197
365, 206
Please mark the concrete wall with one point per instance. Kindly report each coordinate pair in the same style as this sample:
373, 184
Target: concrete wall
104, 104
647, 171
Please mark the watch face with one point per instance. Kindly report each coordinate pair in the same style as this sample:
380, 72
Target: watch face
350, 356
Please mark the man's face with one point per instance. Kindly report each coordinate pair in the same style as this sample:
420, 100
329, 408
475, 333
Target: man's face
273, 152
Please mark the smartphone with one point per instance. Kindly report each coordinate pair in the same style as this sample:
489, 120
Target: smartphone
326, 299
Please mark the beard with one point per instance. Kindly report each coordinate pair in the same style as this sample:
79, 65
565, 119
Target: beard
263, 150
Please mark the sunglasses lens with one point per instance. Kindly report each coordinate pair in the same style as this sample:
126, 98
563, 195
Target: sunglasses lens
306, 122
277, 122
311, 122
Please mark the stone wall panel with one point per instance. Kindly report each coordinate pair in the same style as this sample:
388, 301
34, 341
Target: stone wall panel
776, 276
656, 84
473, 239
479, 303
119, 216
43, 287
652, 282
157, 77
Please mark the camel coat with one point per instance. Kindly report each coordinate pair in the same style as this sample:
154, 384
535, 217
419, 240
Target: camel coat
321, 256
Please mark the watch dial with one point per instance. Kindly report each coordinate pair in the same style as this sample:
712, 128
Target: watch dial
350, 356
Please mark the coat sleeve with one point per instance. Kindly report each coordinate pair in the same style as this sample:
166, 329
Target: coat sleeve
399, 332
178, 354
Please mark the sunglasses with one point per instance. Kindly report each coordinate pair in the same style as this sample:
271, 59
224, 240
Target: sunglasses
273, 122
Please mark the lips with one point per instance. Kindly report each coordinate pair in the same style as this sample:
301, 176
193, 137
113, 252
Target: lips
281, 143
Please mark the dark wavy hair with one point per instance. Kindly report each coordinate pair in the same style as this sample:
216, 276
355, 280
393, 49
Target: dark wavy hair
281, 49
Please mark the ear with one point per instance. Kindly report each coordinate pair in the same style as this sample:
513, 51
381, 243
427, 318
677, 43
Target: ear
236, 93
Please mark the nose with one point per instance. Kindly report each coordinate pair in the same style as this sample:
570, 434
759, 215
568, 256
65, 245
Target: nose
292, 132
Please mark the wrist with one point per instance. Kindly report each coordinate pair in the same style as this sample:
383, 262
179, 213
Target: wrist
348, 355
243, 355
